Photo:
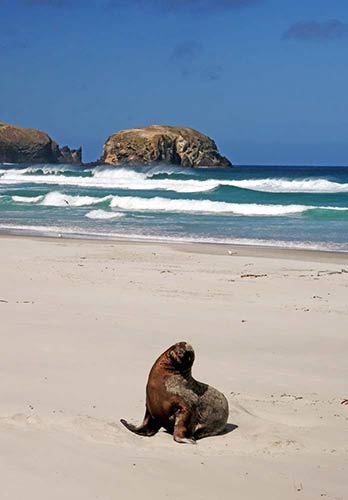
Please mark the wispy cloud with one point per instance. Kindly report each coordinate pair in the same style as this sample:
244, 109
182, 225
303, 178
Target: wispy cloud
186, 52
190, 59
211, 72
185, 57
314, 30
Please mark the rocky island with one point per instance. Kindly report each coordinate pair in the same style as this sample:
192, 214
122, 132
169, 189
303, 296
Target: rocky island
27, 145
162, 144
135, 147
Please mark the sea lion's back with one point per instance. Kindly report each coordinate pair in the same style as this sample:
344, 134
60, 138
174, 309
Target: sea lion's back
213, 413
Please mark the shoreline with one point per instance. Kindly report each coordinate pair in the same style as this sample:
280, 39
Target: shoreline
197, 247
172, 206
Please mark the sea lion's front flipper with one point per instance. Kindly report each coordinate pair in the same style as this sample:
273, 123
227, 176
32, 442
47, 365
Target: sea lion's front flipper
148, 428
183, 428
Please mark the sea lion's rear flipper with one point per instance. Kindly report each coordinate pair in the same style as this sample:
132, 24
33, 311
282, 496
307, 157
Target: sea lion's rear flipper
148, 428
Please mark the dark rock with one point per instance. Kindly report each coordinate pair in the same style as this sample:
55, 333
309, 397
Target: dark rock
68, 155
162, 144
26, 145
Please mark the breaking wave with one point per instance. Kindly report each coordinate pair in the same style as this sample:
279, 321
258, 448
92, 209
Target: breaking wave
159, 204
116, 178
104, 215
243, 203
56, 199
291, 186
205, 206
27, 199
129, 179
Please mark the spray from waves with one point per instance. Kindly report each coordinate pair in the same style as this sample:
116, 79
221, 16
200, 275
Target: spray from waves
110, 179
56, 199
104, 215
136, 180
129, 179
159, 170
290, 186
45, 169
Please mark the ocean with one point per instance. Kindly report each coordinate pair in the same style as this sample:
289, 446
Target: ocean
292, 207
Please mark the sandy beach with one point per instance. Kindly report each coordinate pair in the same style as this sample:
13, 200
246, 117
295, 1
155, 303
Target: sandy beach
82, 323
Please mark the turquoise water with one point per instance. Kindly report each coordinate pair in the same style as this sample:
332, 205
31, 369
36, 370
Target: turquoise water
302, 207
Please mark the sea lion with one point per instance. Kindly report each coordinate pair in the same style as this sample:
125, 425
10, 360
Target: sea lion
186, 408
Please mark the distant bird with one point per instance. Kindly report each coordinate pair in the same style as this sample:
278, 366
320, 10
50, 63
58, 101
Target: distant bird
344, 402
66, 201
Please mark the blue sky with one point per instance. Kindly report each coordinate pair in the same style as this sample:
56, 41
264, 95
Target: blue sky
267, 79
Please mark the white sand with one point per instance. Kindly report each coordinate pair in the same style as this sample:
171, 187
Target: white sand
81, 324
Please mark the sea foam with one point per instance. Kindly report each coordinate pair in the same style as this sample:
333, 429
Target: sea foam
27, 199
129, 179
104, 215
290, 186
204, 206
73, 232
109, 179
56, 199
159, 204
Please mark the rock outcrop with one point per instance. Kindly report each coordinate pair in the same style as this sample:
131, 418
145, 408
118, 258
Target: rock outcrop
26, 145
162, 144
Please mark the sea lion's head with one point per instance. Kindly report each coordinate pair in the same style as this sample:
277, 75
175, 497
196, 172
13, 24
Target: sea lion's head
181, 356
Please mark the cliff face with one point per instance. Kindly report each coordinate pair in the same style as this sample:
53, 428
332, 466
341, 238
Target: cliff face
26, 145
163, 144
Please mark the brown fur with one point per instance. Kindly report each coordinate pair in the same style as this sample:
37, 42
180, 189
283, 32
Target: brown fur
176, 401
